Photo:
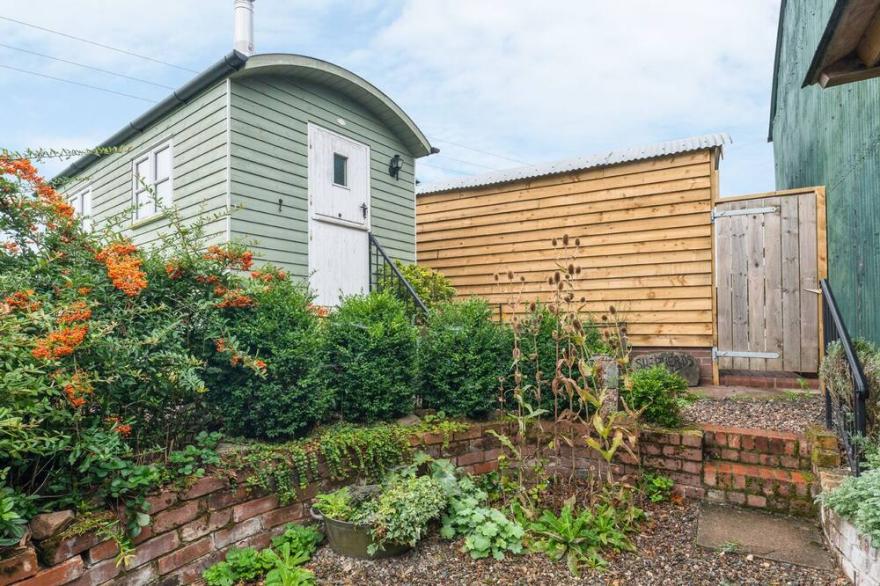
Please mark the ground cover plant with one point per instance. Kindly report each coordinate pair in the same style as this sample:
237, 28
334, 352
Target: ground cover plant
278, 565
487, 531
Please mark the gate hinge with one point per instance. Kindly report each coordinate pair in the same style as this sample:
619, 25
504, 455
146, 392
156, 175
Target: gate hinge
744, 212
716, 354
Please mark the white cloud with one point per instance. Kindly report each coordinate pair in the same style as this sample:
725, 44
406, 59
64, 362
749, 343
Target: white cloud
564, 78
535, 81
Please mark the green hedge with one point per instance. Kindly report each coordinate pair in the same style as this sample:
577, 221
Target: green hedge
370, 347
283, 331
463, 356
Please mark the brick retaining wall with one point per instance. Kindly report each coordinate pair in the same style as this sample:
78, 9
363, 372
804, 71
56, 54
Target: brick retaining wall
855, 553
194, 527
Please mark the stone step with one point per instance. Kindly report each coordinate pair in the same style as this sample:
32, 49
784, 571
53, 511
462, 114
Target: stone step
760, 447
755, 485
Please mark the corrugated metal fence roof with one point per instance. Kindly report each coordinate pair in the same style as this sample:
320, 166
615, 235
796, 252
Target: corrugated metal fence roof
661, 149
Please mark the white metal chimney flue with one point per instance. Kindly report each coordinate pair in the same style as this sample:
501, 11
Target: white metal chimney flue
243, 41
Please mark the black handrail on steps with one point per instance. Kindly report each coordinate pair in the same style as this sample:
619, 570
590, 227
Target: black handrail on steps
384, 274
847, 415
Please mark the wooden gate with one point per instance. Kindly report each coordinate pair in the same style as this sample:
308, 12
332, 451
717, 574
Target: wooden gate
769, 257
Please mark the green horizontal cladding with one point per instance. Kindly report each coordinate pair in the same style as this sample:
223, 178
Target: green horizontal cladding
269, 116
831, 137
239, 148
197, 132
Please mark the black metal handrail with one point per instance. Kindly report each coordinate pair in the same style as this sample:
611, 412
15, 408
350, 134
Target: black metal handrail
848, 416
384, 274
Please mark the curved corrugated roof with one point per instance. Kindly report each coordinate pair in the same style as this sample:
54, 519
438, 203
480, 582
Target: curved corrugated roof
615, 157
348, 83
236, 63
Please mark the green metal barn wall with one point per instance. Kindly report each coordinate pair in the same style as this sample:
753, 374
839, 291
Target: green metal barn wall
831, 137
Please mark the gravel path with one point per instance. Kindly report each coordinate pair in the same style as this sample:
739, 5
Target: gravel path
778, 414
666, 555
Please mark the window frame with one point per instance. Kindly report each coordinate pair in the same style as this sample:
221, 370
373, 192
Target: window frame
81, 200
152, 183
344, 170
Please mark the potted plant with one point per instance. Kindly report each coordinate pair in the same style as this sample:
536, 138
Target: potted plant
376, 522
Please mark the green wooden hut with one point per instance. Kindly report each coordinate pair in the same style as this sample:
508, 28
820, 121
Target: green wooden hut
825, 129
305, 161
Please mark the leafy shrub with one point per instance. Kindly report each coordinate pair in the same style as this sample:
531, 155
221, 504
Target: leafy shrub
432, 287
371, 350
463, 357
834, 372
660, 395
858, 498
656, 487
579, 538
282, 330
280, 564
105, 349
336, 505
541, 333
401, 513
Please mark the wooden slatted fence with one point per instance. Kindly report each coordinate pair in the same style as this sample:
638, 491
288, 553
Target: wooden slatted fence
645, 242
648, 246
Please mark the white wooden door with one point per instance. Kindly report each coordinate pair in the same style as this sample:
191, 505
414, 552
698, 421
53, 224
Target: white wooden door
339, 218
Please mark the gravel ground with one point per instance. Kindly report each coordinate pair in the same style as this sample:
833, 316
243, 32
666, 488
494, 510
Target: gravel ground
666, 555
778, 414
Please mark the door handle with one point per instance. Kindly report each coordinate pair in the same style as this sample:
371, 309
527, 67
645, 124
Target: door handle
364, 209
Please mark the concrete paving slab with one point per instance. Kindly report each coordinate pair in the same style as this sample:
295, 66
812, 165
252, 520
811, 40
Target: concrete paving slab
765, 535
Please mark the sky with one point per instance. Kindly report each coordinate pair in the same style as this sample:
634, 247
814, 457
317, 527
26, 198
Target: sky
493, 83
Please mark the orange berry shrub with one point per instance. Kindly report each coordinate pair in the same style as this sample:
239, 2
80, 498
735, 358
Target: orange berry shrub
108, 350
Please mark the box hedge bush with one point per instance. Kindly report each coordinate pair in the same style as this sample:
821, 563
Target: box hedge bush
463, 357
370, 347
282, 330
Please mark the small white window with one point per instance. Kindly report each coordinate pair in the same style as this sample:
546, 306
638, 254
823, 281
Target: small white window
82, 203
153, 181
340, 170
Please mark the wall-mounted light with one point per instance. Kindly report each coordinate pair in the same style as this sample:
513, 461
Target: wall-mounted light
394, 166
